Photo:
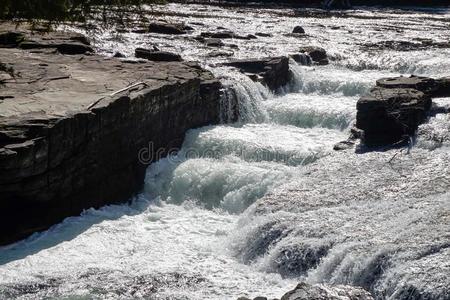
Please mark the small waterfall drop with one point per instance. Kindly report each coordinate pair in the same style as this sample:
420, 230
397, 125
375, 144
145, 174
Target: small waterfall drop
241, 100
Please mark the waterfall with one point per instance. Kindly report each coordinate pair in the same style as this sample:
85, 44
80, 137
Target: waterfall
242, 99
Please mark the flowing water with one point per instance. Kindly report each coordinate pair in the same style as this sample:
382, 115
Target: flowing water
254, 207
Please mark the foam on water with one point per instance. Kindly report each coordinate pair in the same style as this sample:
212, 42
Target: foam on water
310, 110
263, 142
146, 250
253, 207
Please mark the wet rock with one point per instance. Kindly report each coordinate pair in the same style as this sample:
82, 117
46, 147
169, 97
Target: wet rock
64, 47
156, 55
443, 89
344, 145
214, 43
11, 38
262, 34
118, 55
423, 84
298, 29
302, 58
317, 54
218, 35
73, 48
432, 87
305, 291
388, 116
399, 45
220, 53
273, 71
227, 35
165, 28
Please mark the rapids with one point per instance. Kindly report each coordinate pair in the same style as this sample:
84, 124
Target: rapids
253, 207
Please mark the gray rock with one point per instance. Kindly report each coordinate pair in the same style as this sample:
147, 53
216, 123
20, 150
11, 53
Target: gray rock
272, 71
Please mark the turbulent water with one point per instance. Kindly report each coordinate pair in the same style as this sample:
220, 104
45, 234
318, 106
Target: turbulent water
254, 207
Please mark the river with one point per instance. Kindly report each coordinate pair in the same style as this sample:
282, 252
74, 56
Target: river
253, 207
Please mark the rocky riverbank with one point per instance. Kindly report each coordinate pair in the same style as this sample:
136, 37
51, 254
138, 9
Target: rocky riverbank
78, 130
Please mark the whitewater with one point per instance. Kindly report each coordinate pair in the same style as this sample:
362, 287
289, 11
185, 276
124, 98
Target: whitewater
253, 207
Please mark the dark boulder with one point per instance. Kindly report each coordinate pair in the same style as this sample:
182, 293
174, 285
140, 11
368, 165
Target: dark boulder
11, 39
156, 55
317, 54
63, 47
165, 28
388, 116
272, 71
73, 48
298, 29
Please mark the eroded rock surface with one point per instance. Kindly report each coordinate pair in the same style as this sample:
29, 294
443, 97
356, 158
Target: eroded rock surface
78, 131
393, 110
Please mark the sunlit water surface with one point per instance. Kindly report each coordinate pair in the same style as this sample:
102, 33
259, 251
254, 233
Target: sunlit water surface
253, 207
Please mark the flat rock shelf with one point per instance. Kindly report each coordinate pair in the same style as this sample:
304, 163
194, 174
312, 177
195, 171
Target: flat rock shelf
72, 128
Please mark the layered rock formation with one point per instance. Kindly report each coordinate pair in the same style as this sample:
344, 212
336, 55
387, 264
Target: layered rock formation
79, 131
393, 110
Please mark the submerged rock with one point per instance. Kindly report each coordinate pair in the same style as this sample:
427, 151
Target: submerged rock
272, 71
